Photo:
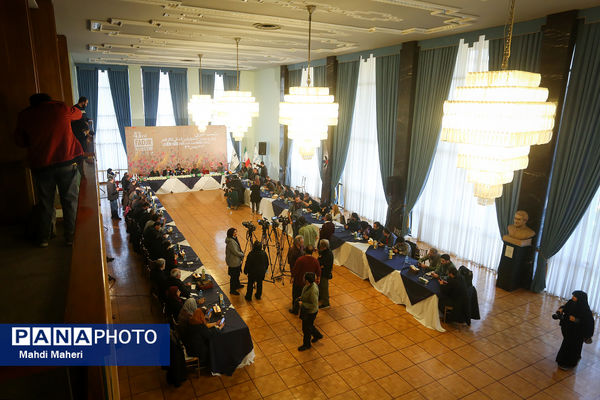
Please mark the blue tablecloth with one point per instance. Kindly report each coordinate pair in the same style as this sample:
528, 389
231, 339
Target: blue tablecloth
381, 266
230, 345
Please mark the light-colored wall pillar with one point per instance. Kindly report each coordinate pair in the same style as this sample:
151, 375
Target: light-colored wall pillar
136, 95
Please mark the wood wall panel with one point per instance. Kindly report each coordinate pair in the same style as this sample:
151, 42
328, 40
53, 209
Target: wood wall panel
65, 70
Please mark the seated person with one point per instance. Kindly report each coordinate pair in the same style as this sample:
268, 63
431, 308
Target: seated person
309, 203
188, 309
296, 207
288, 193
365, 229
279, 189
220, 168
441, 271
179, 170
154, 217
174, 302
168, 172
327, 229
154, 173
195, 170
175, 280
388, 239
336, 215
353, 223
453, 293
377, 231
270, 185
197, 334
153, 239
401, 247
433, 256
325, 208
158, 277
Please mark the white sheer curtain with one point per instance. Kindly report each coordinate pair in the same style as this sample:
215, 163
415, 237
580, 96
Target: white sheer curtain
164, 116
305, 172
361, 180
575, 266
447, 215
110, 152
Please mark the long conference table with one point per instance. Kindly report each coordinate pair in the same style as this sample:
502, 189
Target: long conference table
392, 277
232, 346
183, 183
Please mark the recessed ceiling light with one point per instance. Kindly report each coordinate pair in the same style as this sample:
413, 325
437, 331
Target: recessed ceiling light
95, 25
266, 27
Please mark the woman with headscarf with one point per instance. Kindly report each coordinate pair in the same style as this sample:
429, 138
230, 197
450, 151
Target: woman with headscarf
577, 326
233, 257
174, 302
197, 335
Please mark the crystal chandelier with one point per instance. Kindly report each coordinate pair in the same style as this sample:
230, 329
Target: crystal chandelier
201, 106
495, 117
308, 111
236, 108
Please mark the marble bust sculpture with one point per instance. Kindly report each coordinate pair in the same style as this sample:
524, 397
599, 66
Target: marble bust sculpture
519, 233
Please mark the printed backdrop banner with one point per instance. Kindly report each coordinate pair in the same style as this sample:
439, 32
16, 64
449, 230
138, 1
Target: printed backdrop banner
158, 147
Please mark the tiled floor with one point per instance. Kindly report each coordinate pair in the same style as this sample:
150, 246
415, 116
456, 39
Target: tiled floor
372, 348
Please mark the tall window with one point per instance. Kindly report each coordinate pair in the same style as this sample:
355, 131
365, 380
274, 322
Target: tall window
218, 92
361, 180
110, 152
575, 266
447, 215
305, 173
165, 116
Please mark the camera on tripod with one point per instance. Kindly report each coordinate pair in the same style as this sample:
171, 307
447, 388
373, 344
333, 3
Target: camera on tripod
249, 225
277, 220
264, 223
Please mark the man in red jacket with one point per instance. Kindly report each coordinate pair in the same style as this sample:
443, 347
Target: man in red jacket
304, 264
44, 128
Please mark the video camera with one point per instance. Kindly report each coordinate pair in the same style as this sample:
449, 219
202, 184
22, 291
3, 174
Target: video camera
284, 221
249, 225
265, 223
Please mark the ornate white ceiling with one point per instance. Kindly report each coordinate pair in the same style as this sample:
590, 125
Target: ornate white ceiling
173, 32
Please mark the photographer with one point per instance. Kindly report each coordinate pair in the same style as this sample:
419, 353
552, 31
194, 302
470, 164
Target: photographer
255, 195
256, 266
577, 327
233, 257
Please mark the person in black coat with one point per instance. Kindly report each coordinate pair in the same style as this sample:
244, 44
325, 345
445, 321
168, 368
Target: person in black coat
255, 195
113, 196
353, 224
377, 231
256, 267
175, 280
326, 263
453, 293
577, 327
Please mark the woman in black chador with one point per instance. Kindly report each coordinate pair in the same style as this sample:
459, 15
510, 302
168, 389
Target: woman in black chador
577, 326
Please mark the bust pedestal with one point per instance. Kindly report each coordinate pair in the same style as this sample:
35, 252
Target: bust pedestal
514, 271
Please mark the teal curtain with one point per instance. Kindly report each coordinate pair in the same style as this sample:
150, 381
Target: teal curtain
87, 84
524, 56
119, 86
575, 176
320, 76
208, 82
295, 77
229, 80
179, 95
388, 72
434, 76
150, 84
345, 95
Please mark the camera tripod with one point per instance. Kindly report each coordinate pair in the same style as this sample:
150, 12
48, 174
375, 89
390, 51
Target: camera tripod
280, 261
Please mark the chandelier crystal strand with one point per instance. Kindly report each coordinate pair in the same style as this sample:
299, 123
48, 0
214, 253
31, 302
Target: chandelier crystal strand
496, 117
235, 107
201, 106
308, 111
